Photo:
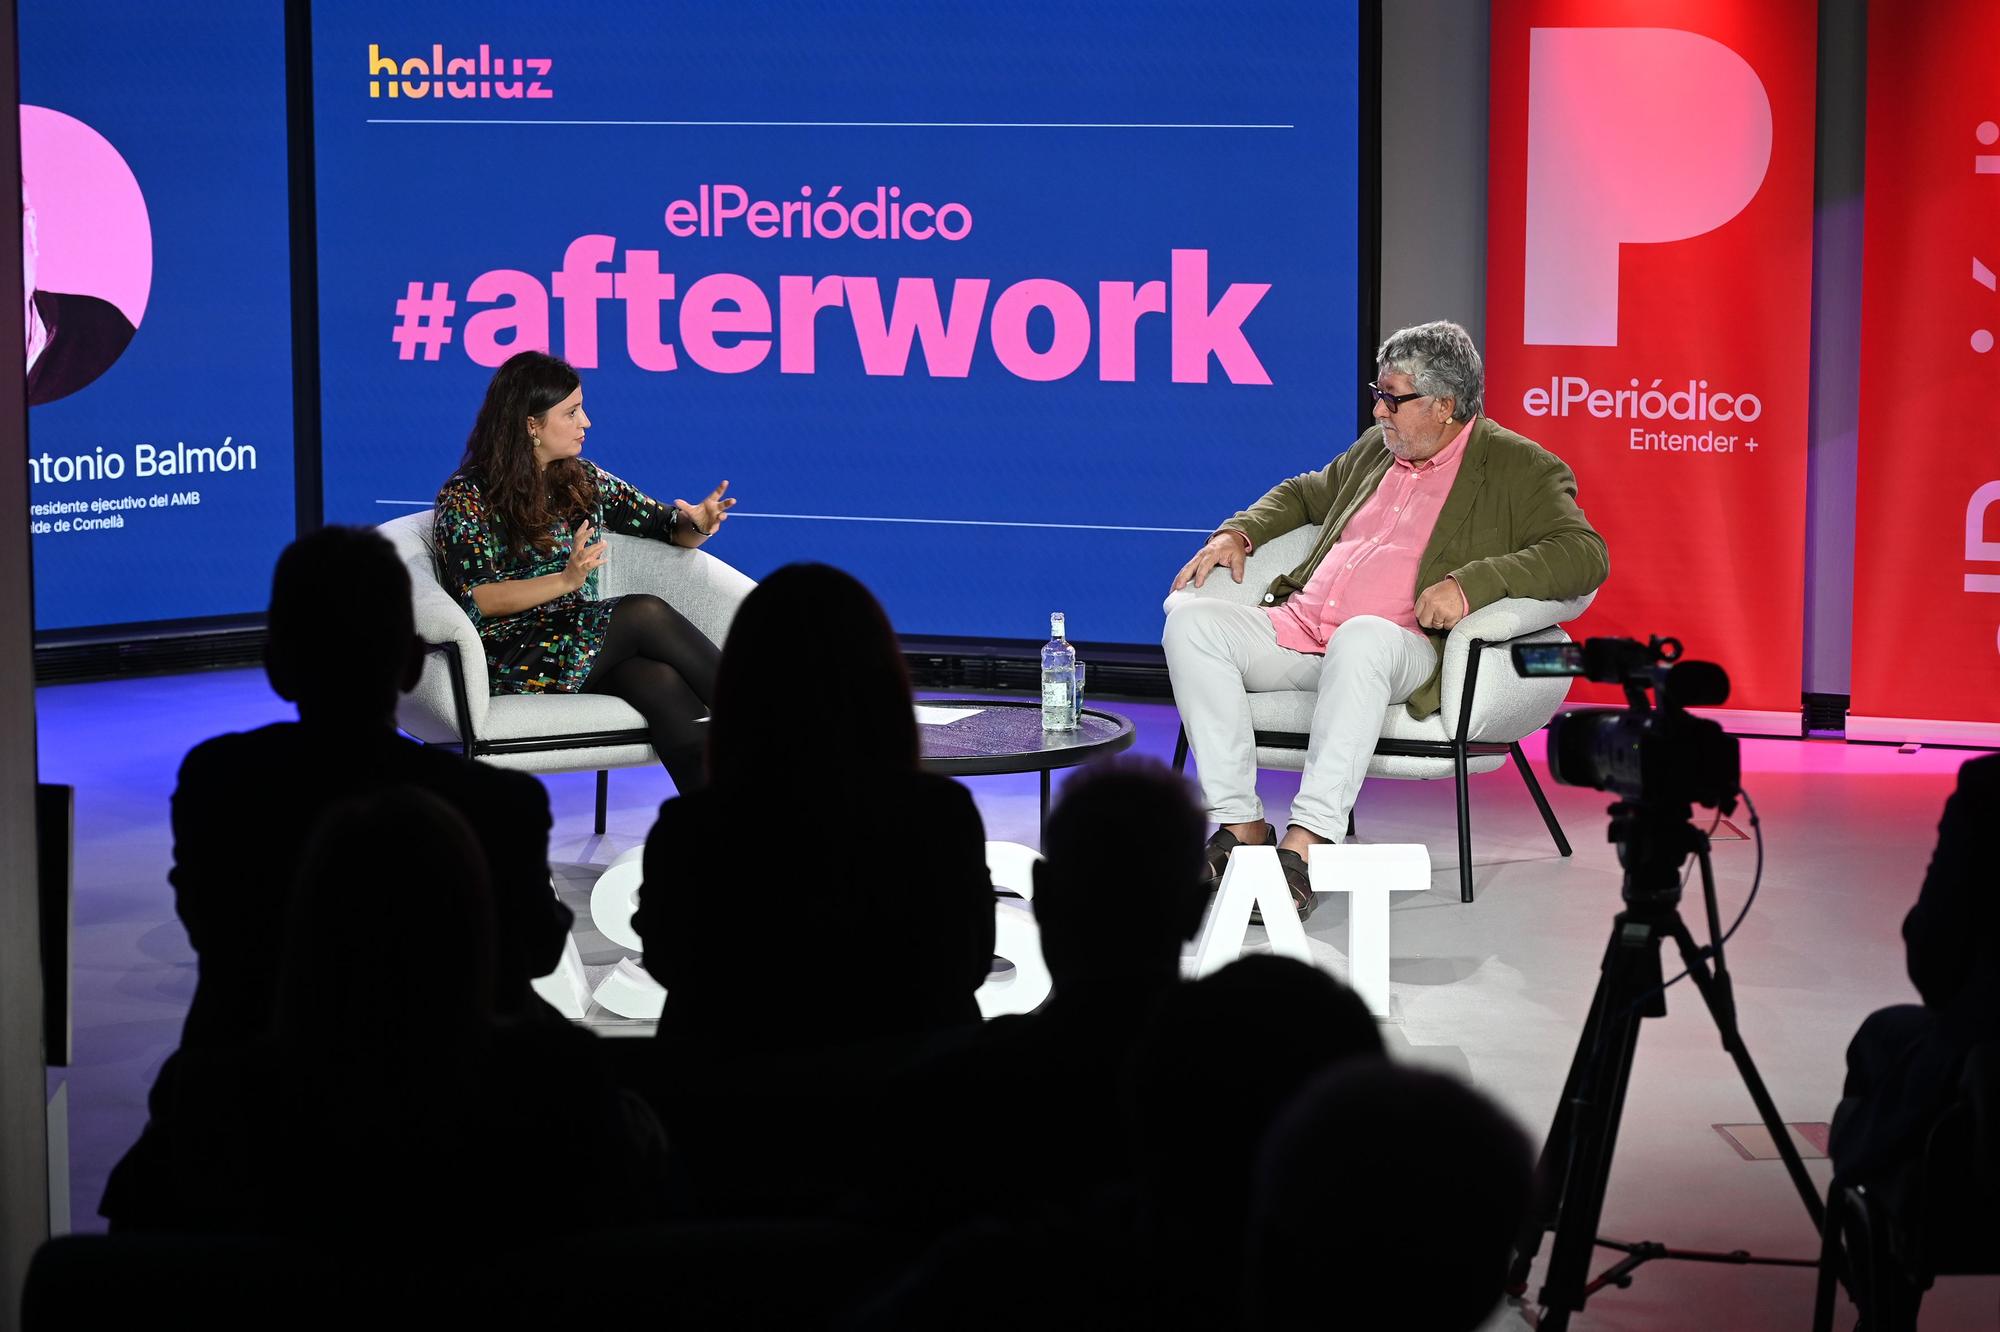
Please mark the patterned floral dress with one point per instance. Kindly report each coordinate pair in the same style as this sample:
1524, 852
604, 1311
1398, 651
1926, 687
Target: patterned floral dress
547, 648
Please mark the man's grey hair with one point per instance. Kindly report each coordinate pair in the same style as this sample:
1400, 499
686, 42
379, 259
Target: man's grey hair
1440, 357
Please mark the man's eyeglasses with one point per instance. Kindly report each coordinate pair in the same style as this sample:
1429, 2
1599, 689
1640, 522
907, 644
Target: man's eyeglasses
1390, 400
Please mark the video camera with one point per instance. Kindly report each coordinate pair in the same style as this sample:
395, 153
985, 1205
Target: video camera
1661, 761
1654, 754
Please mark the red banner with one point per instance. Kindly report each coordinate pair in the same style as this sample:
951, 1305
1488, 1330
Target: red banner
1648, 306
1927, 505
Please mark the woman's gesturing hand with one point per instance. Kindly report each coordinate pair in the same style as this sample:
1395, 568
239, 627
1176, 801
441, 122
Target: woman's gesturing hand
586, 554
699, 521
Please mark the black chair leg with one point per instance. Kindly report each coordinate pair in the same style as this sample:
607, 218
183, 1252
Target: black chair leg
1884, 1295
1541, 801
603, 797
1464, 826
1180, 750
1829, 1258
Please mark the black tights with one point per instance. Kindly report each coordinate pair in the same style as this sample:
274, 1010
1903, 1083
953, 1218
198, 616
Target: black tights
657, 661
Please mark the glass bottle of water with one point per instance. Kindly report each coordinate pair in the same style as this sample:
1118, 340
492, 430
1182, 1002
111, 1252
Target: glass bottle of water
1058, 679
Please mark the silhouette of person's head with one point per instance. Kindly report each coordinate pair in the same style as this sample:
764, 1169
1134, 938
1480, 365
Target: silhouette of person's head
342, 640
390, 942
1223, 1053
1120, 888
1390, 1194
811, 684
1220, 1058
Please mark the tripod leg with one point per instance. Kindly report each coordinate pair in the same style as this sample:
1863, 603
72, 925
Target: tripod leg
1632, 967
1549, 1167
1577, 1156
1717, 994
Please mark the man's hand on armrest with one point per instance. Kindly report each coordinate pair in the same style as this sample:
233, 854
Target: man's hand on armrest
1442, 604
1227, 547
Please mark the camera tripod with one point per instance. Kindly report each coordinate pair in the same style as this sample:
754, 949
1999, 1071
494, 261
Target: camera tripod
1576, 1160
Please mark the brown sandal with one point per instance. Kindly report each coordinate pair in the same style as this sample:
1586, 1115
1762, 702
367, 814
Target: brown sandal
1298, 881
1216, 854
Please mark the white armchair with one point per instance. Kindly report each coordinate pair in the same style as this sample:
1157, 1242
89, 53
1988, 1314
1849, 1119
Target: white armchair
1485, 712
453, 703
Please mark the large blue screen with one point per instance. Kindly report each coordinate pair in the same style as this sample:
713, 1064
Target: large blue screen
160, 376
999, 307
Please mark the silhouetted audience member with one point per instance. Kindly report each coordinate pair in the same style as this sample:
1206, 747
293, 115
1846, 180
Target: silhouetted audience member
1118, 894
1221, 1057
1205, 1077
821, 906
389, 1099
1119, 891
342, 645
1904, 1062
1384, 1197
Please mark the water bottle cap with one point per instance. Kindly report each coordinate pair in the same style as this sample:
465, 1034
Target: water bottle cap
1056, 624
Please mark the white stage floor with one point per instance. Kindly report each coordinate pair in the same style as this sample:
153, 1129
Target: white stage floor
1496, 990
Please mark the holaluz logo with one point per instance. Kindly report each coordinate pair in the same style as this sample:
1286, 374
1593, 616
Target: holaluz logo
483, 75
1635, 136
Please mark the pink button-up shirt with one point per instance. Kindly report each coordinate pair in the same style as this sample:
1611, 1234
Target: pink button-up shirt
1372, 568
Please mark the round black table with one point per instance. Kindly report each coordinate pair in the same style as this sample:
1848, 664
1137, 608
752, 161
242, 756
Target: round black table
1007, 736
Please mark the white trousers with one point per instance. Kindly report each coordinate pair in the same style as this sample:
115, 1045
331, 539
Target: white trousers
1219, 653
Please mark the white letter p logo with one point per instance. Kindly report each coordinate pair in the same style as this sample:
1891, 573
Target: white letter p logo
1634, 135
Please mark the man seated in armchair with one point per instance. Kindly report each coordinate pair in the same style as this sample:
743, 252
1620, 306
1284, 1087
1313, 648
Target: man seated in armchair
1433, 513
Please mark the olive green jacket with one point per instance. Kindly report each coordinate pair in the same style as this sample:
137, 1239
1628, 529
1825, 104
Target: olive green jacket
1509, 528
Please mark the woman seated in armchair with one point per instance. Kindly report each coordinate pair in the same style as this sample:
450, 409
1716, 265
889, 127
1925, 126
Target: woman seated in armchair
519, 537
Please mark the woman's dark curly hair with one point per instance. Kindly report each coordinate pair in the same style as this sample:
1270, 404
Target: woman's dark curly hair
525, 498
